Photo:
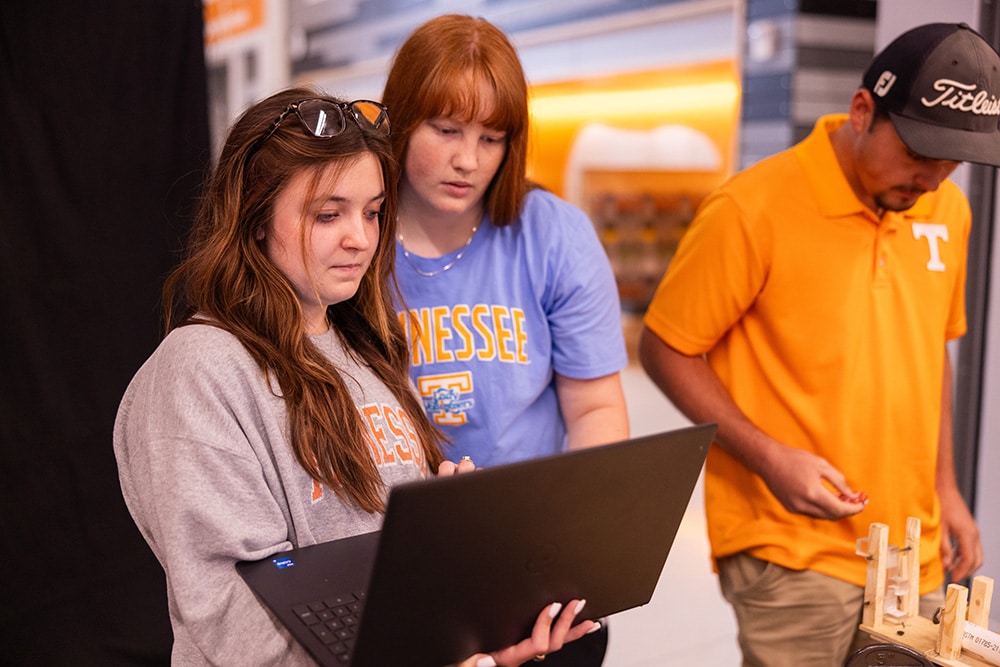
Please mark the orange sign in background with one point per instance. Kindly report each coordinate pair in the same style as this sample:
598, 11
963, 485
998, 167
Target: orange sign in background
703, 97
228, 18
640, 206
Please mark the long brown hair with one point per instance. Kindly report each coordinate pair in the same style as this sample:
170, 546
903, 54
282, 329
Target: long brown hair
429, 78
227, 280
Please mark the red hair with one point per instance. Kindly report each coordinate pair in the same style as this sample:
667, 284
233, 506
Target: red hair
430, 78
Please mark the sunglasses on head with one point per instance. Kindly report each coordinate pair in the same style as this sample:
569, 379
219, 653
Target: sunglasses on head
323, 118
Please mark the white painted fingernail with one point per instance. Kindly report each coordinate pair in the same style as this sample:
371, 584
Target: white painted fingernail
597, 626
488, 661
579, 607
554, 609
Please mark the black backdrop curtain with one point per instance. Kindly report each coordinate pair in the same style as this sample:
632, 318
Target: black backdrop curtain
103, 142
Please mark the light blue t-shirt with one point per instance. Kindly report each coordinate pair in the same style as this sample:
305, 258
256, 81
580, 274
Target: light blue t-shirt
526, 300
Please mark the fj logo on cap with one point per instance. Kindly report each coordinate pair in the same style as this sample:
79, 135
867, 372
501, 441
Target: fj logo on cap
884, 83
963, 97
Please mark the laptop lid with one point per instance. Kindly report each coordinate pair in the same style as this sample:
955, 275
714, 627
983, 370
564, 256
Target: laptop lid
464, 564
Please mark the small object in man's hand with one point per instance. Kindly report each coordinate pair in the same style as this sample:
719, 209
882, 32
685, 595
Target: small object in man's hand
860, 497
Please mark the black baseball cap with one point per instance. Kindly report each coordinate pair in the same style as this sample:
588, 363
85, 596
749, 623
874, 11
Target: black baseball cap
940, 84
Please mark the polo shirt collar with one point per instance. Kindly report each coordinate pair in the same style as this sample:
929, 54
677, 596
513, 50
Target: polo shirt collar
832, 191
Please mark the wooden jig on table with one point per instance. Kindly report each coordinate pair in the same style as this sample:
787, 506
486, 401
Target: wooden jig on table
892, 601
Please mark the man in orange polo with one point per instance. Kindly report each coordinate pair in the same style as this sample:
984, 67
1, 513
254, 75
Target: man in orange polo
807, 312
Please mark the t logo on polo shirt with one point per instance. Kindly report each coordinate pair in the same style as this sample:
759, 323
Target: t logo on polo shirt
934, 234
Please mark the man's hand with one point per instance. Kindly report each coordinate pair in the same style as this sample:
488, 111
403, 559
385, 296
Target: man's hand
801, 481
961, 549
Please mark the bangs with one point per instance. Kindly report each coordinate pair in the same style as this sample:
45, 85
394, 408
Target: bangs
455, 94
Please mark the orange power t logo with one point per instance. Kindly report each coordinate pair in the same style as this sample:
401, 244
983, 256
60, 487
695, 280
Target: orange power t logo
442, 397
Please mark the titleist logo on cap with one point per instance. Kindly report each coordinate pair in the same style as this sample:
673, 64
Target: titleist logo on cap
939, 83
965, 97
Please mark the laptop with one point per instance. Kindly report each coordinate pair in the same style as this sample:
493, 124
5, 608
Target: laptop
464, 564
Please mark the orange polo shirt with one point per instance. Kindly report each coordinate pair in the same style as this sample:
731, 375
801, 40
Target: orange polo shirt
828, 327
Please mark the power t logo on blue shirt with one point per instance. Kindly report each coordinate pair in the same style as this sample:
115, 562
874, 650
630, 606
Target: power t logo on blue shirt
474, 336
442, 397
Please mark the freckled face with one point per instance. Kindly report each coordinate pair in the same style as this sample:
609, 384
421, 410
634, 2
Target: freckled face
450, 163
323, 239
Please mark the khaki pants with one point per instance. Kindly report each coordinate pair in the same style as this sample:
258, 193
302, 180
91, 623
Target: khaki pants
792, 618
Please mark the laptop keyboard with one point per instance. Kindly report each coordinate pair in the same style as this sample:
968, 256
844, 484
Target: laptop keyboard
334, 621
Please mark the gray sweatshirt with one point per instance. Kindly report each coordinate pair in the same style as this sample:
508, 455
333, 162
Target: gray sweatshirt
209, 477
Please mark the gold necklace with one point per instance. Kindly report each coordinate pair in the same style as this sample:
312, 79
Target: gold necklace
431, 274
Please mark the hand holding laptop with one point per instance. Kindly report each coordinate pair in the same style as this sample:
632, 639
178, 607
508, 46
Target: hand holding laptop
547, 636
448, 468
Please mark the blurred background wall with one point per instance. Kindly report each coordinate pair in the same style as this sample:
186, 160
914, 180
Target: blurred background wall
104, 137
